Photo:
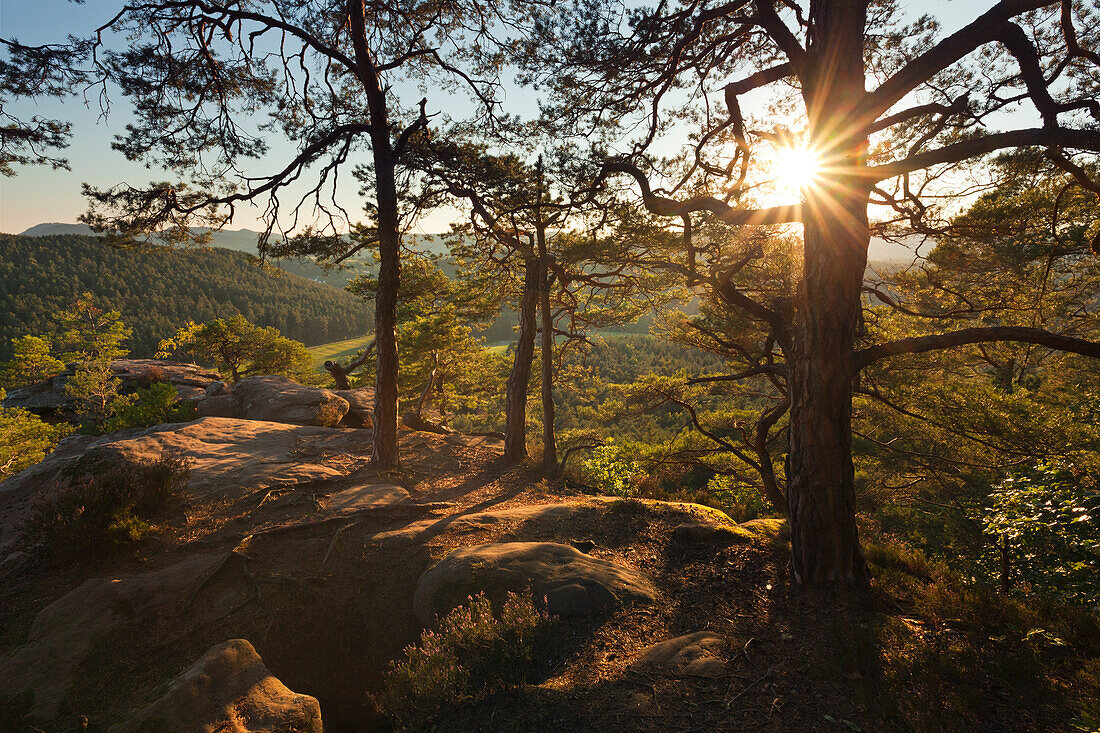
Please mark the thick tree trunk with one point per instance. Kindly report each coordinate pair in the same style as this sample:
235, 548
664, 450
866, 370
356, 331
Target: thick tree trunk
515, 406
384, 453
549, 438
821, 485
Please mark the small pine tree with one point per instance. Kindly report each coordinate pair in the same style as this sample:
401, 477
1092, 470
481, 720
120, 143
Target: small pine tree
32, 362
25, 439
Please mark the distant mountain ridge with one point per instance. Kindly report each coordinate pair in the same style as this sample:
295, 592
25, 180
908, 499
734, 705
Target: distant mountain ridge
244, 240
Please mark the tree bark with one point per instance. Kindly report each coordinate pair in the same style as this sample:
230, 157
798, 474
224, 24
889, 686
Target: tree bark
515, 405
821, 485
384, 453
549, 438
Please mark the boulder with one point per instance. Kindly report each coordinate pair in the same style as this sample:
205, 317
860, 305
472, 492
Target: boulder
710, 535
64, 633
365, 498
48, 396
692, 654
572, 583
361, 407
228, 459
277, 399
228, 690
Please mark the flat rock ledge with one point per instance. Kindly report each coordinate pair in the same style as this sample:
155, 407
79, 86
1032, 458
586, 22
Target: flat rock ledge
229, 690
699, 654
274, 399
571, 582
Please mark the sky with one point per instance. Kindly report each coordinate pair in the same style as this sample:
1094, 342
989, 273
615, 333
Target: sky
38, 194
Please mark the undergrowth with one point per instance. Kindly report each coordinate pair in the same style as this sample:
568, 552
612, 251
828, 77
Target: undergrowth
954, 646
474, 653
97, 513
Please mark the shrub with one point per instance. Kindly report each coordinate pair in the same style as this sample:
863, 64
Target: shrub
147, 406
105, 511
1045, 532
25, 439
474, 653
741, 501
613, 468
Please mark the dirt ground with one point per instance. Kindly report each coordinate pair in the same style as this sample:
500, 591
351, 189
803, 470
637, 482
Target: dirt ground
327, 602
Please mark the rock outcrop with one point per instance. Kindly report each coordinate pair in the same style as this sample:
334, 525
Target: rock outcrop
228, 458
229, 690
573, 584
276, 399
64, 633
700, 654
361, 407
48, 396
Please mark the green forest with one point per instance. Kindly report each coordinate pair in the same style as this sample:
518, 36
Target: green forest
158, 290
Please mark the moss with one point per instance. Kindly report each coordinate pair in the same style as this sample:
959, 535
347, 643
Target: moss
766, 529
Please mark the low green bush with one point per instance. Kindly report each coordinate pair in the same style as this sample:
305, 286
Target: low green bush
148, 406
96, 513
474, 653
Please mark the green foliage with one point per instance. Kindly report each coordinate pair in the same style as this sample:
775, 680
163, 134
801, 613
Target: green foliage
239, 348
441, 361
158, 290
473, 654
25, 439
31, 362
158, 403
613, 469
1047, 518
740, 500
94, 388
109, 510
90, 333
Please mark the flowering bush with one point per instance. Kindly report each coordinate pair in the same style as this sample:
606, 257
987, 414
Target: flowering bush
473, 653
104, 511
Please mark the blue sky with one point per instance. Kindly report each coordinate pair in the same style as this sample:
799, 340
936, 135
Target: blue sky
38, 194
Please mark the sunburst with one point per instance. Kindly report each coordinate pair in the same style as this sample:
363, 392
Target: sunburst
796, 167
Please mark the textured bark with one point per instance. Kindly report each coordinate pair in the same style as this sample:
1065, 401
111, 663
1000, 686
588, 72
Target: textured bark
384, 449
384, 453
515, 407
821, 485
549, 438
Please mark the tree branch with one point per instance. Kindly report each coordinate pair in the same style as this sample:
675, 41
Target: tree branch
1048, 137
920, 344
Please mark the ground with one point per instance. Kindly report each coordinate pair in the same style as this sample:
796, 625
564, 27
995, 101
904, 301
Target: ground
327, 602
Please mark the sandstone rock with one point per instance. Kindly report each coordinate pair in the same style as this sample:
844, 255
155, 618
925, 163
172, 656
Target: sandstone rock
361, 407
228, 459
63, 634
572, 583
766, 529
541, 515
371, 496
48, 396
228, 690
694, 654
219, 406
711, 535
277, 399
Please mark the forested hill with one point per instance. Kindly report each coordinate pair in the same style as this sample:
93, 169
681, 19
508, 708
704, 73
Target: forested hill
159, 289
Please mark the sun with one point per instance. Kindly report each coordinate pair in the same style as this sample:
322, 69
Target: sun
796, 167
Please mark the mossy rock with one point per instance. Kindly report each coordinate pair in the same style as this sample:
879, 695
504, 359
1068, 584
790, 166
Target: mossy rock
572, 583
